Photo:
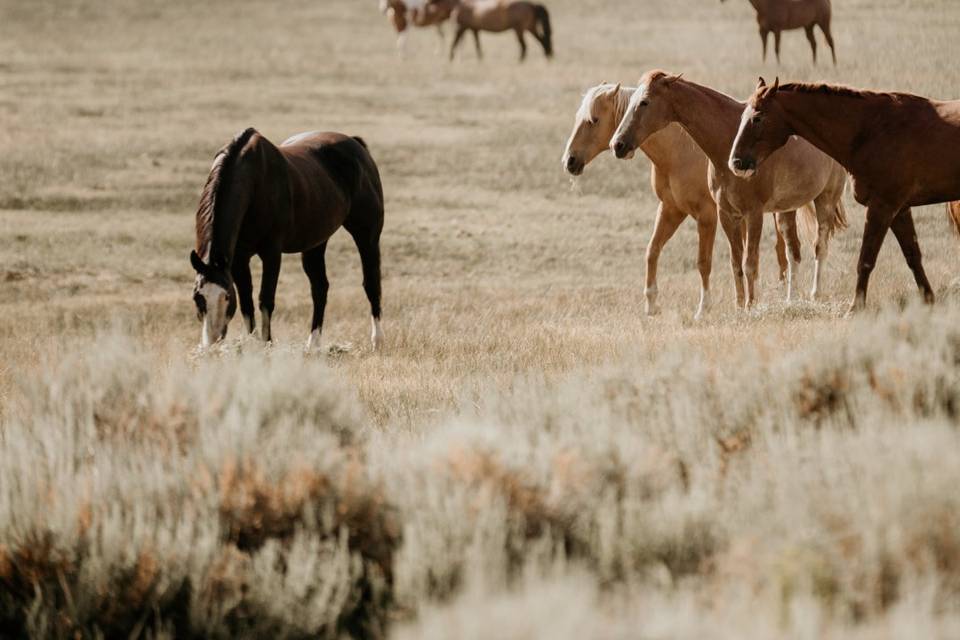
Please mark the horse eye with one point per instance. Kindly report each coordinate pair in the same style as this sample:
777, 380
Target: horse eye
200, 302
644, 103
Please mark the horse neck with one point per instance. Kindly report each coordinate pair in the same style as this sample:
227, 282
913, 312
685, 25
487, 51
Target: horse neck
710, 117
814, 117
760, 6
232, 202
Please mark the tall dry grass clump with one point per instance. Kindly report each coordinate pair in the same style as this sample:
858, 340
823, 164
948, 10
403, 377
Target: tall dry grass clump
822, 474
228, 498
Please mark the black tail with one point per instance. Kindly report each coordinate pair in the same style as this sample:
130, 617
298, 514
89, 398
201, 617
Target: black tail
546, 37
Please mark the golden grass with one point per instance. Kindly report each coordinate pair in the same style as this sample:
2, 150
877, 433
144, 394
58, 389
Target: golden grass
509, 298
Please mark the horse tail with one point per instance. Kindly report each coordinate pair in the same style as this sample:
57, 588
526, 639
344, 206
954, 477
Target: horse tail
542, 16
953, 214
840, 218
807, 224
217, 179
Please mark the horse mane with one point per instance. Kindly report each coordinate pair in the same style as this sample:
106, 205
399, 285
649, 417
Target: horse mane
206, 211
820, 88
585, 112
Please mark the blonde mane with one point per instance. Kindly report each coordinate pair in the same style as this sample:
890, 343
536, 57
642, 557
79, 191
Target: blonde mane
622, 100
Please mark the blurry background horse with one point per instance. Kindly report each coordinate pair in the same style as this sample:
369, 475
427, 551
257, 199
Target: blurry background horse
784, 15
497, 16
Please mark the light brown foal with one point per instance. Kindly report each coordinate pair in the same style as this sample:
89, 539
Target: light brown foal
794, 176
678, 174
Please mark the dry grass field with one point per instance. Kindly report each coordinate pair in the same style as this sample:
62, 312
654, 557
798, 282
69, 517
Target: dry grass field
529, 456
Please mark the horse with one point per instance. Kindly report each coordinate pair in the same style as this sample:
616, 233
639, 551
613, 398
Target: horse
497, 16
785, 15
678, 174
902, 151
264, 200
420, 13
797, 175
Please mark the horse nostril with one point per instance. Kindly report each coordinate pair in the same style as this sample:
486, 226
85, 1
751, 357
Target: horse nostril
571, 163
619, 148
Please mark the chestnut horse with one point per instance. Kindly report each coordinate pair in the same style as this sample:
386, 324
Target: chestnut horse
901, 150
953, 214
497, 16
264, 200
797, 175
785, 15
420, 13
679, 178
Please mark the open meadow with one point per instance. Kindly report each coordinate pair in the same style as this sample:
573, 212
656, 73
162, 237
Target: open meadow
529, 456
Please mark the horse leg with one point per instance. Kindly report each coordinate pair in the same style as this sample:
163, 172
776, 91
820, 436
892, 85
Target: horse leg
244, 283
668, 219
781, 248
733, 228
903, 229
523, 44
787, 221
456, 41
763, 38
825, 215
813, 42
707, 232
443, 38
401, 44
878, 222
367, 239
825, 27
476, 42
776, 45
268, 290
752, 262
315, 266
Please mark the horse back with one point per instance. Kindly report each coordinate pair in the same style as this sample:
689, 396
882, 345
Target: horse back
331, 174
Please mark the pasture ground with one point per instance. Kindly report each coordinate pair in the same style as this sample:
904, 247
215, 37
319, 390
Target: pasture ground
520, 379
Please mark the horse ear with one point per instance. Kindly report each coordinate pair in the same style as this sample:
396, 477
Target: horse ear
197, 263
672, 79
762, 83
776, 84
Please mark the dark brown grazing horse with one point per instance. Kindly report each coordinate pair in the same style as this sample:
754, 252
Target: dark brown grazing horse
497, 16
785, 15
901, 150
265, 200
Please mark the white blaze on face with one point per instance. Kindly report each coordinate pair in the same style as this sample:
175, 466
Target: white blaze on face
628, 117
748, 113
215, 318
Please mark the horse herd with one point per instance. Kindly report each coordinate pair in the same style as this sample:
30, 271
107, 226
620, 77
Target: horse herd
788, 148
521, 16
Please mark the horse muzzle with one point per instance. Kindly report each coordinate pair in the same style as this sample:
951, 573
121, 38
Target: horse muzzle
573, 165
743, 167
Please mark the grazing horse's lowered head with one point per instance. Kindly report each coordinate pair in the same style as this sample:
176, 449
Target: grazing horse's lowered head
761, 132
593, 126
214, 297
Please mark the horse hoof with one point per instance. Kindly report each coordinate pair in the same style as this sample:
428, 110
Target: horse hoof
376, 335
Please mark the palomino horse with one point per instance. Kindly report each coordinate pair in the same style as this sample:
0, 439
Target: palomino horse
679, 178
785, 15
265, 200
503, 15
901, 150
420, 13
797, 175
